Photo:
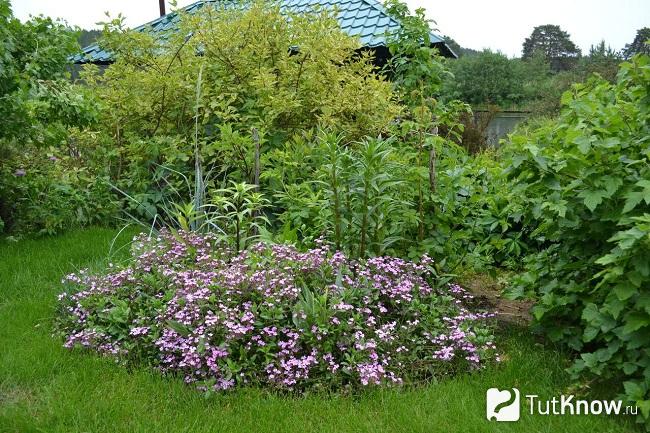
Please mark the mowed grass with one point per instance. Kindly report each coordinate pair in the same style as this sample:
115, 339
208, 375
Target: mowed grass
45, 388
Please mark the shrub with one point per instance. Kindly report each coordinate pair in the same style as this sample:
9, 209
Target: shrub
484, 79
37, 106
45, 191
274, 316
37, 102
585, 180
477, 222
279, 73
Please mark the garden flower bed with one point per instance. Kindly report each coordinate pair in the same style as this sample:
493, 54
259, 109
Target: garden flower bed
274, 316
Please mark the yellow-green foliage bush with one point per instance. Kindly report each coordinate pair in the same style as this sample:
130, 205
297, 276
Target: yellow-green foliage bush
225, 72
279, 72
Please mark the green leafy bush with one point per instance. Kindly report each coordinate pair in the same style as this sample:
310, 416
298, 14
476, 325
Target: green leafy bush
586, 183
37, 102
477, 222
252, 76
363, 198
487, 78
43, 189
45, 192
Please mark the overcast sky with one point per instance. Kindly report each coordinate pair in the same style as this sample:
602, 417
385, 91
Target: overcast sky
496, 24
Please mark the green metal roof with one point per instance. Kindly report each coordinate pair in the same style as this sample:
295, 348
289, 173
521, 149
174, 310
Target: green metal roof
366, 19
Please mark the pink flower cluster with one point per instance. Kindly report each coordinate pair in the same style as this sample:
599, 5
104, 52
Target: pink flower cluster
274, 316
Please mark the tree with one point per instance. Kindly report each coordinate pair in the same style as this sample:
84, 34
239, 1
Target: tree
37, 101
602, 51
639, 45
556, 45
87, 37
603, 60
487, 78
457, 48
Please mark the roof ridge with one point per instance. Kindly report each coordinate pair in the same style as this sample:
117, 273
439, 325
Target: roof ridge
373, 39
155, 20
184, 8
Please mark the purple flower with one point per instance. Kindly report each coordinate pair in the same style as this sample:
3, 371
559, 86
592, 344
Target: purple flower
273, 315
20, 172
140, 330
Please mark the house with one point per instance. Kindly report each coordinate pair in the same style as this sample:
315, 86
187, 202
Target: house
366, 19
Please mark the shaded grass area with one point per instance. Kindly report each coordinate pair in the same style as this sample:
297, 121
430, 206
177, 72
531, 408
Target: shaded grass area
45, 388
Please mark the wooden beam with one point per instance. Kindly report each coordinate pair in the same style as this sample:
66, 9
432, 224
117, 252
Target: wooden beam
162, 7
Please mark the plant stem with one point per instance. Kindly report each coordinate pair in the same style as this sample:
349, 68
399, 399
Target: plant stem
337, 199
432, 162
420, 194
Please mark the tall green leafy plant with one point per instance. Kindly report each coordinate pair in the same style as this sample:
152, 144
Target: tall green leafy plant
355, 194
417, 72
334, 173
365, 197
375, 203
240, 207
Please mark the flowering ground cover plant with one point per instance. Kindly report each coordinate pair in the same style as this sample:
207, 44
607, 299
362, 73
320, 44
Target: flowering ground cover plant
274, 316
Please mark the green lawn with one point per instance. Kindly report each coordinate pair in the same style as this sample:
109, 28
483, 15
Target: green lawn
45, 388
